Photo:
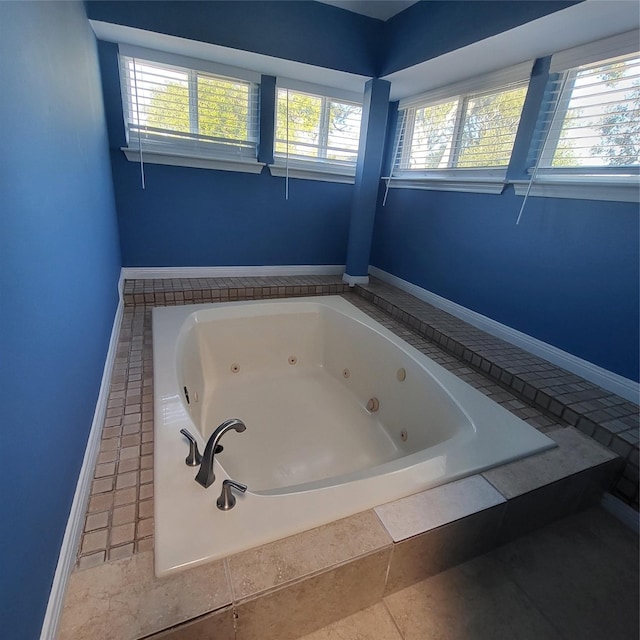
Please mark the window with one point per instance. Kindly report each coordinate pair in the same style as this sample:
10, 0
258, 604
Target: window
316, 135
461, 133
597, 120
588, 133
473, 132
172, 111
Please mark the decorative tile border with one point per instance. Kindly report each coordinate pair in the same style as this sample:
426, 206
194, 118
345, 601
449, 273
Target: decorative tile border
174, 291
119, 519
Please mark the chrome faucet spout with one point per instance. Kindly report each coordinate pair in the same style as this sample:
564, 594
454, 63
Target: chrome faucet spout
205, 475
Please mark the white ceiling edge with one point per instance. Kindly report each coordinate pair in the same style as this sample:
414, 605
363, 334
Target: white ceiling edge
379, 9
582, 23
238, 58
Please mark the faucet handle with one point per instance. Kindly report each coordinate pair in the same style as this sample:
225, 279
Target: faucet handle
194, 458
227, 500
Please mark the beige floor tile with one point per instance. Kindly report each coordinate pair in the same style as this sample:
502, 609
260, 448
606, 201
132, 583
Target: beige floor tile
124, 600
475, 601
582, 573
373, 623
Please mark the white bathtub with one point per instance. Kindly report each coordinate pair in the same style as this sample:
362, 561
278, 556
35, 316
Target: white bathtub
300, 374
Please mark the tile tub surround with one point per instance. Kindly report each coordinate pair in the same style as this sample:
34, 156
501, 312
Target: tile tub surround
119, 518
535, 587
307, 581
130, 414
562, 396
172, 291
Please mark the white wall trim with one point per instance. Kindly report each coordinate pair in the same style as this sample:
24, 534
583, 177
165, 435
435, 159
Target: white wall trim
587, 189
182, 160
75, 523
352, 281
623, 512
130, 273
613, 382
495, 186
313, 172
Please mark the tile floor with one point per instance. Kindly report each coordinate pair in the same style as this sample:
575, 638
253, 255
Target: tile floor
576, 579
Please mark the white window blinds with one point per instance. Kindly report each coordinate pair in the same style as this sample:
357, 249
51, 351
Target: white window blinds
469, 125
185, 111
591, 121
316, 129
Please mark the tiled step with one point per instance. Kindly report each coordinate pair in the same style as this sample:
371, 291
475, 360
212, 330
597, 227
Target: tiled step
609, 419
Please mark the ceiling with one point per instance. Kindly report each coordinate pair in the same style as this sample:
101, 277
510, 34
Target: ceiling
380, 9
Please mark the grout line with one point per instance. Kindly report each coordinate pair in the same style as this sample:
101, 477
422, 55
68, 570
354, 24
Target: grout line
292, 582
388, 571
529, 599
393, 618
234, 605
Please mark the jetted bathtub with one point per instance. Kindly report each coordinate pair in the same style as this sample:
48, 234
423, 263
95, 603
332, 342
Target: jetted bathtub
341, 415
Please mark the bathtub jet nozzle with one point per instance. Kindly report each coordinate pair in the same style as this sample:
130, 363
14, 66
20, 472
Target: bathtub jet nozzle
205, 475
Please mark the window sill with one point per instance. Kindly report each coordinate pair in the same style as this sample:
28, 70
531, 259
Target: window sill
180, 160
465, 185
329, 173
586, 188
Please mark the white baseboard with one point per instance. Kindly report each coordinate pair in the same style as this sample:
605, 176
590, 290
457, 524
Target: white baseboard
352, 281
623, 512
75, 523
613, 382
130, 273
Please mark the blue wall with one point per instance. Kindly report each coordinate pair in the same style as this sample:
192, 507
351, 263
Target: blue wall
567, 274
200, 217
426, 30
58, 278
203, 217
310, 32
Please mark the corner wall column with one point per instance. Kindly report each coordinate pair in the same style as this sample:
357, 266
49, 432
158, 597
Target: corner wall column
267, 118
368, 171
